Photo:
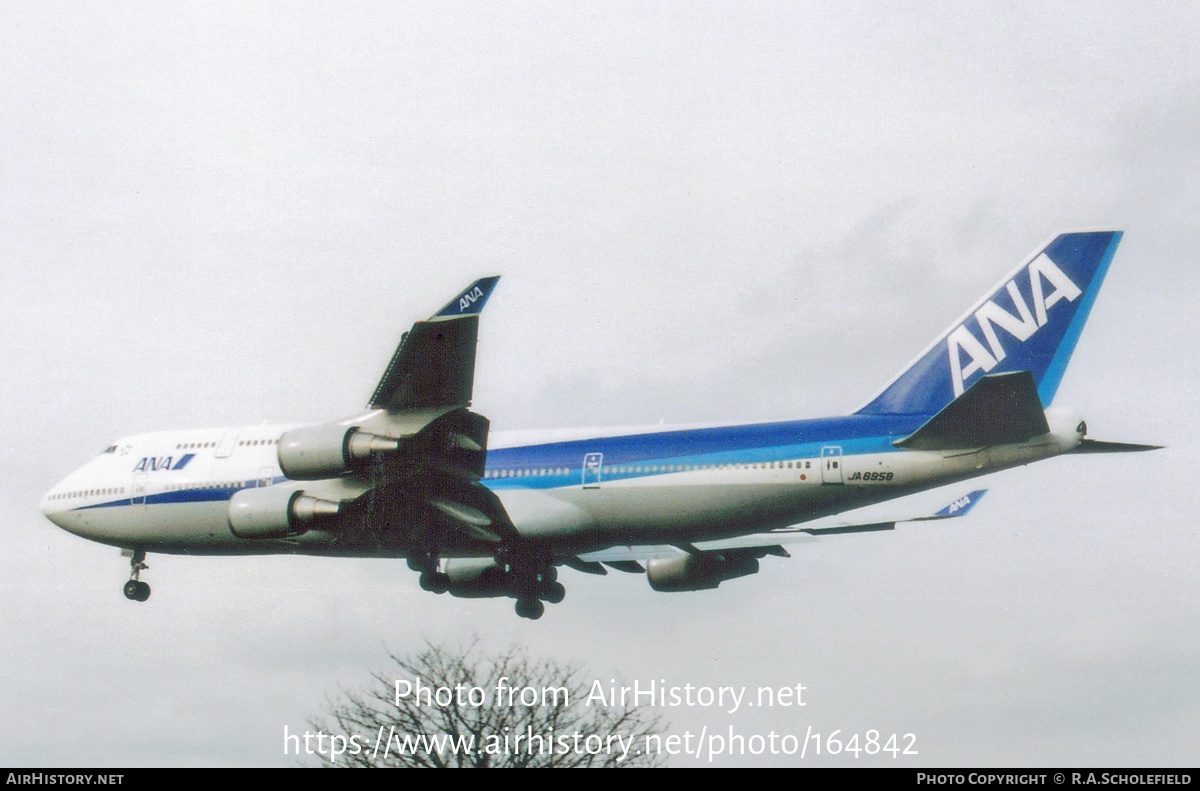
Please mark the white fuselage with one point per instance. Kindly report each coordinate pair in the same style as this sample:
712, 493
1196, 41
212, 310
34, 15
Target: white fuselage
170, 491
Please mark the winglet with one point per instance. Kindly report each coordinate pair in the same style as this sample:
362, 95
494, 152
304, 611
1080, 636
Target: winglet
959, 507
434, 365
470, 301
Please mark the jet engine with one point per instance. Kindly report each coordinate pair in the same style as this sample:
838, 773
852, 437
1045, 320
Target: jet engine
705, 571
275, 512
476, 578
328, 450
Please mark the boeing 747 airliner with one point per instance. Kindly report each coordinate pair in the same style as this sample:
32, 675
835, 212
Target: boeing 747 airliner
416, 477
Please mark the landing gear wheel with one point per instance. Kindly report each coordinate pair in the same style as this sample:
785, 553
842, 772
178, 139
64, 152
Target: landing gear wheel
530, 608
135, 589
434, 581
555, 593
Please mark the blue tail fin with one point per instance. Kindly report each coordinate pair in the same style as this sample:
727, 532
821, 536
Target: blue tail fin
1030, 322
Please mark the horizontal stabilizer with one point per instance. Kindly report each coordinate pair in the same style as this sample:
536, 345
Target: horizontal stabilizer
1098, 446
999, 409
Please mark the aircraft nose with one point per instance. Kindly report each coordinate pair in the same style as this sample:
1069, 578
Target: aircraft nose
51, 507
60, 509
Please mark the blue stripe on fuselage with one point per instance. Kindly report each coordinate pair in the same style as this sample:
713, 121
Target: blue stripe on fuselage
749, 444
199, 494
744, 444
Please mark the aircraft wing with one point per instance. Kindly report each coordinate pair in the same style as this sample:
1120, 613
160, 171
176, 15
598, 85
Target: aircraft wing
625, 558
418, 458
434, 365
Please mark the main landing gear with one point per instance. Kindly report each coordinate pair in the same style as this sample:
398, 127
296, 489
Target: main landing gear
434, 581
135, 589
530, 579
534, 586
426, 563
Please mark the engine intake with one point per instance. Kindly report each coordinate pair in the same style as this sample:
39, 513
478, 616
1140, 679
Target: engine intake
698, 572
274, 512
476, 578
328, 450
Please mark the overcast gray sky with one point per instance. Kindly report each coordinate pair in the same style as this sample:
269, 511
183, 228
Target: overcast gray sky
223, 213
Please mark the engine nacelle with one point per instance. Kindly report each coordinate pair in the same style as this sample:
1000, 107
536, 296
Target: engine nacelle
698, 572
275, 512
328, 450
476, 578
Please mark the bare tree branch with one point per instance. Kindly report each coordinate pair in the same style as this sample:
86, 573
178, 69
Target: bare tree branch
524, 713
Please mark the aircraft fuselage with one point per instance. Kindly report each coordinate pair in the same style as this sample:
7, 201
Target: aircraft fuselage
170, 491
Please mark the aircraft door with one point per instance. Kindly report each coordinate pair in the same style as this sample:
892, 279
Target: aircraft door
265, 476
228, 443
831, 464
139, 489
592, 465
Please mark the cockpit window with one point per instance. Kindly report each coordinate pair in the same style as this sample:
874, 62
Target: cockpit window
110, 449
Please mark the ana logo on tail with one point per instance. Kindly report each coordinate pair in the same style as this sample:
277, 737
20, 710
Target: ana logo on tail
467, 300
1022, 326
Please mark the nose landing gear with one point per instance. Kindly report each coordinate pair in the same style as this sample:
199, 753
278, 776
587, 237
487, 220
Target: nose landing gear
135, 589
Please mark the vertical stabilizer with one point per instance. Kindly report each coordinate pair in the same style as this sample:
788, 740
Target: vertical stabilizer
1030, 321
